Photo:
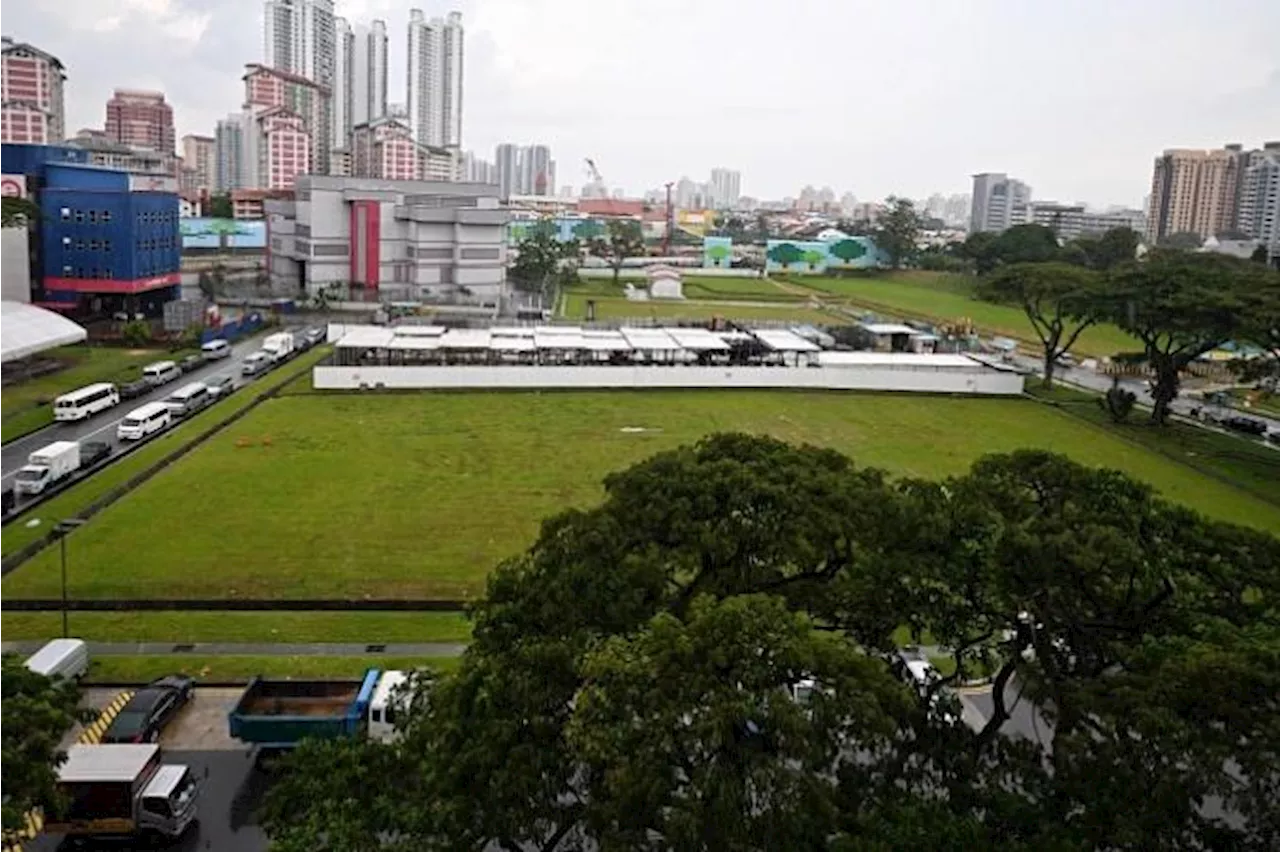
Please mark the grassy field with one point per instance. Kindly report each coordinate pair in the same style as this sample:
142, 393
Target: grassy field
240, 626
443, 486
36, 523
575, 307
25, 405
937, 296
144, 669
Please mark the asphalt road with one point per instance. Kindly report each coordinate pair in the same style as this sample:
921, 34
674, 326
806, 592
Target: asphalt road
102, 426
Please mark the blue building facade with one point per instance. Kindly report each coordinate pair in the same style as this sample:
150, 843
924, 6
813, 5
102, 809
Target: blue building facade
107, 241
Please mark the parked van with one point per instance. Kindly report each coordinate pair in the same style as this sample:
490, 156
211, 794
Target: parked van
189, 399
161, 372
215, 350
61, 658
256, 363
141, 422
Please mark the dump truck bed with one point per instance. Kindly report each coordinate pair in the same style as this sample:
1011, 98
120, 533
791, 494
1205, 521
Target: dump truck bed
280, 713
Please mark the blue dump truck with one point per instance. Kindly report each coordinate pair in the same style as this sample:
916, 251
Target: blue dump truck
278, 714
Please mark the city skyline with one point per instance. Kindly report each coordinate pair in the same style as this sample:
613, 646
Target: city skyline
515, 91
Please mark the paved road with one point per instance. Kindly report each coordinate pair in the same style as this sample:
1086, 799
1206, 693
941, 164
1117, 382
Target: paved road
102, 427
254, 649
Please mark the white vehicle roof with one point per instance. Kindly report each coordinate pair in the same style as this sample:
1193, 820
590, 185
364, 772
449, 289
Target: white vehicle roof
386, 684
164, 781
87, 390
217, 343
257, 356
56, 448
142, 412
922, 670
55, 650
159, 365
106, 762
188, 390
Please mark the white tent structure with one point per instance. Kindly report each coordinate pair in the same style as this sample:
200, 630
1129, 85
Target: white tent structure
26, 330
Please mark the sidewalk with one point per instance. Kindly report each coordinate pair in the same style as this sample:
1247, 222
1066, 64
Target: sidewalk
254, 649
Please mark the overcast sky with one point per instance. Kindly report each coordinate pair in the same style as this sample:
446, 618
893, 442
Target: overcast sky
869, 96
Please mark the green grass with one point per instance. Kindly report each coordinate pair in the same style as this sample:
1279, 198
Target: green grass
1257, 402
1244, 463
36, 523
26, 405
422, 494
575, 307
942, 297
144, 669
326, 626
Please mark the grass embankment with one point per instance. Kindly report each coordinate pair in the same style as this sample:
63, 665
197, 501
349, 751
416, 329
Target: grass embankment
1246, 464
941, 297
27, 406
22, 531
186, 627
144, 669
700, 287
706, 297
421, 495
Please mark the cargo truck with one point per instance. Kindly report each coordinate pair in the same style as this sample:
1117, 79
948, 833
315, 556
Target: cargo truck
118, 790
278, 714
51, 464
278, 346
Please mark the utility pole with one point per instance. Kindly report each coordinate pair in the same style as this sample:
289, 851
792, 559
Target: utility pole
671, 223
63, 529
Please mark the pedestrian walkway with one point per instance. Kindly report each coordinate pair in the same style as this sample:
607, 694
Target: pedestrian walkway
255, 649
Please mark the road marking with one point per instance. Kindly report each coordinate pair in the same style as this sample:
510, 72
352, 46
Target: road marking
92, 735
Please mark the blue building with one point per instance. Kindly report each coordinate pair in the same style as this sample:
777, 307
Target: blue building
107, 241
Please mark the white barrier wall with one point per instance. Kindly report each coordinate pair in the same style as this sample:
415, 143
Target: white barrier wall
977, 380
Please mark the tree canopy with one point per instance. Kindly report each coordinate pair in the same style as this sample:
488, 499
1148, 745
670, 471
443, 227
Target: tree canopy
897, 229
1059, 299
622, 239
17, 212
702, 662
36, 713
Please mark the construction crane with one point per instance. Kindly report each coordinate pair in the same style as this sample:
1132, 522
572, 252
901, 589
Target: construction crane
594, 172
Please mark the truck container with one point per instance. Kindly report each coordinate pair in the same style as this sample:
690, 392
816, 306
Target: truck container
278, 714
279, 346
47, 466
113, 790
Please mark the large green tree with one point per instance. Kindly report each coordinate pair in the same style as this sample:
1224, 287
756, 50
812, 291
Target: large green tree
1180, 305
897, 229
538, 255
631, 679
623, 238
36, 713
1059, 299
1103, 251
1030, 243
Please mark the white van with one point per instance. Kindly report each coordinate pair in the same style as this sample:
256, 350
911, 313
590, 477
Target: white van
189, 399
61, 658
389, 701
160, 372
86, 402
255, 363
142, 421
215, 350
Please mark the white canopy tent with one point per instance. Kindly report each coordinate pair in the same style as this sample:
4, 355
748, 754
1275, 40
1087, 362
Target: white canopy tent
27, 329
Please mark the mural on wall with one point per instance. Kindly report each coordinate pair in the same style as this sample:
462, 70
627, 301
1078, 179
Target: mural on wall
563, 230
717, 252
819, 256
205, 233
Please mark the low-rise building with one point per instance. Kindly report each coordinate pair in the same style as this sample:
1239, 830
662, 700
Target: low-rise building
389, 240
248, 203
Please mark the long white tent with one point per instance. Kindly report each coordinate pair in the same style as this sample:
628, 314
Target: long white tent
26, 330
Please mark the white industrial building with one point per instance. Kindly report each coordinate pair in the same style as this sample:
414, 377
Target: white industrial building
431, 241
434, 357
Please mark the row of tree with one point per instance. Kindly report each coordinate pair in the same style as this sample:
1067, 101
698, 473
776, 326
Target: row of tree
1177, 304
629, 683
541, 256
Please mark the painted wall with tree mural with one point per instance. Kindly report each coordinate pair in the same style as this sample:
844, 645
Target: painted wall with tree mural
565, 229
717, 252
821, 255
205, 233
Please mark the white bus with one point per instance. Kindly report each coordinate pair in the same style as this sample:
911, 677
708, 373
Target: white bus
85, 402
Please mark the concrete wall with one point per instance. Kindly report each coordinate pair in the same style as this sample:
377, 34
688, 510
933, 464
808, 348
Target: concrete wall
976, 381
15, 264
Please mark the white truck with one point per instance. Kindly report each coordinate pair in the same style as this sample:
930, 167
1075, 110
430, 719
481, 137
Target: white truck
123, 790
279, 346
47, 466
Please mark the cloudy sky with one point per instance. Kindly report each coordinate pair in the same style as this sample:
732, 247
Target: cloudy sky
868, 96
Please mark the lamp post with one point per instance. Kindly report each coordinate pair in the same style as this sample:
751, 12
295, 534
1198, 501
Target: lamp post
63, 529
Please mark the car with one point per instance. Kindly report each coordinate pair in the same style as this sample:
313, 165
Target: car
1248, 425
221, 385
315, 335
133, 390
191, 362
144, 715
255, 362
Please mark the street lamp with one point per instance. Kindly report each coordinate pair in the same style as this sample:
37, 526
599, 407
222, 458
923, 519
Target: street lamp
63, 529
